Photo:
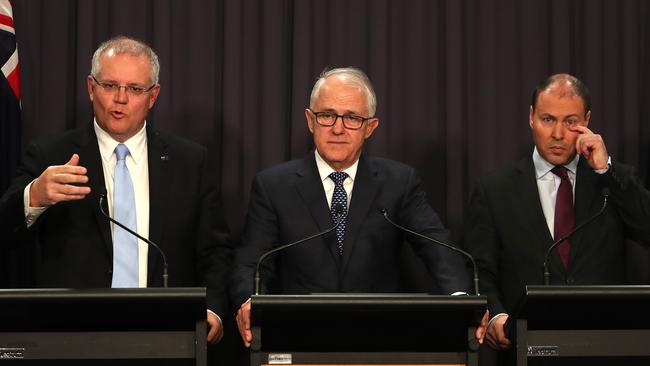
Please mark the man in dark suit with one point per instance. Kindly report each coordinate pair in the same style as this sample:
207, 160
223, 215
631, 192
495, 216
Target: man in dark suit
171, 191
299, 198
516, 214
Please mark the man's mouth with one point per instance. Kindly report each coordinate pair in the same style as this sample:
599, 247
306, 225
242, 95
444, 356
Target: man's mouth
118, 114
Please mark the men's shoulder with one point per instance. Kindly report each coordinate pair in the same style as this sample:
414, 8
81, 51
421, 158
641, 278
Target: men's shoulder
175, 142
66, 138
380, 164
505, 175
292, 167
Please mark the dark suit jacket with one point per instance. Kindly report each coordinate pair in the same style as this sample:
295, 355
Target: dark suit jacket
288, 203
74, 240
507, 233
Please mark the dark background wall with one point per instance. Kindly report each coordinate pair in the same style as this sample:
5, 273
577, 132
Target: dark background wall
453, 77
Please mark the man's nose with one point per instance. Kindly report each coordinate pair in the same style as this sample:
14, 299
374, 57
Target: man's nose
121, 95
559, 129
338, 126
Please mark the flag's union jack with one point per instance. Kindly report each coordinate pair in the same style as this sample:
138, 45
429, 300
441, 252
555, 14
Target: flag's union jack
8, 49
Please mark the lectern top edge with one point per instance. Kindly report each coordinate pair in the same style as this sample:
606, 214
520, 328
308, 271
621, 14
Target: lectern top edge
63, 294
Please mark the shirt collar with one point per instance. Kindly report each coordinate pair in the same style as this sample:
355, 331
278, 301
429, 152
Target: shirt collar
324, 169
543, 167
107, 144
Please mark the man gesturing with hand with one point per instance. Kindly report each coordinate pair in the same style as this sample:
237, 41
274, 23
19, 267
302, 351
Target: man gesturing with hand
145, 178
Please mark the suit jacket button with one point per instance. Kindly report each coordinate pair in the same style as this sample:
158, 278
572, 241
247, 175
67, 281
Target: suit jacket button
570, 281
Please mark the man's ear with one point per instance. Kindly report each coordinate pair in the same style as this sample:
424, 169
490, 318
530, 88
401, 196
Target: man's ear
310, 121
372, 125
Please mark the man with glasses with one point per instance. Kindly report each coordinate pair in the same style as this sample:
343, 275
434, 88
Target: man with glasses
143, 179
517, 213
336, 183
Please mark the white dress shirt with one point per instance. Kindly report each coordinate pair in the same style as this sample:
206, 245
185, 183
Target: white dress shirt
324, 170
138, 164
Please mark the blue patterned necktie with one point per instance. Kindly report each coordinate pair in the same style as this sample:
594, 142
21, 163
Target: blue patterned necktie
339, 198
125, 245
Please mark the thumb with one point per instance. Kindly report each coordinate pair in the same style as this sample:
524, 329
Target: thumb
74, 160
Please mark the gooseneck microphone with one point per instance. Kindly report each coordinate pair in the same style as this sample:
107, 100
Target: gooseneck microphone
338, 208
384, 213
547, 273
152, 244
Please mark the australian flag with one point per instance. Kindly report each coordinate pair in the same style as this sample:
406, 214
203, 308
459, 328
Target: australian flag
10, 128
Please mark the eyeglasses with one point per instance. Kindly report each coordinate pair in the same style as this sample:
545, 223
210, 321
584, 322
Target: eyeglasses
111, 87
350, 121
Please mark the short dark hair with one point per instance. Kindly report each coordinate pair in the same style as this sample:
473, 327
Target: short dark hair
578, 87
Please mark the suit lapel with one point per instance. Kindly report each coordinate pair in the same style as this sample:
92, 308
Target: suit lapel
531, 209
366, 185
89, 157
159, 161
310, 188
586, 196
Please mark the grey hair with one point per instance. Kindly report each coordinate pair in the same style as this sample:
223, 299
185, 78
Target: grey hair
122, 45
351, 74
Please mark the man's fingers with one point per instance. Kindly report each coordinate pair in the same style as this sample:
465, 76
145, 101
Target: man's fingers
243, 323
68, 169
74, 160
492, 340
212, 334
581, 129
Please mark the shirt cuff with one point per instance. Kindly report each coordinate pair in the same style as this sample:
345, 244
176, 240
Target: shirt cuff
218, 317
605, 169
31, 213
494, 318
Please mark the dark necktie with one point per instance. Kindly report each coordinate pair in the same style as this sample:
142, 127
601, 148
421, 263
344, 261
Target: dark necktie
339, 197
564, 220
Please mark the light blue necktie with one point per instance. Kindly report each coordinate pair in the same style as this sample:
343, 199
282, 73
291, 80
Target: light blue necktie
339, 197
125, 245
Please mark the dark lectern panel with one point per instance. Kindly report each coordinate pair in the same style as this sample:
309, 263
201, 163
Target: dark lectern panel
101, 309
103, 326
366, 323
585, 307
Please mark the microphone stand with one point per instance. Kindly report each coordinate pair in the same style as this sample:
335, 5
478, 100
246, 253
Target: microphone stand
162, 254
339, 214
384, 213
547, 273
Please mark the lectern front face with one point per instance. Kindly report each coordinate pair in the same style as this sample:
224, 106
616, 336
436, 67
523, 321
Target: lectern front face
364, 329
105, 326
583, 325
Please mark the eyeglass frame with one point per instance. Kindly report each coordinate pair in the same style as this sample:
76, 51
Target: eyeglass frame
337, 116
127, 88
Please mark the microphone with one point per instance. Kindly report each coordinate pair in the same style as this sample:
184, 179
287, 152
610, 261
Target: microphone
152, 244
547, 274
338, 208
384, 213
